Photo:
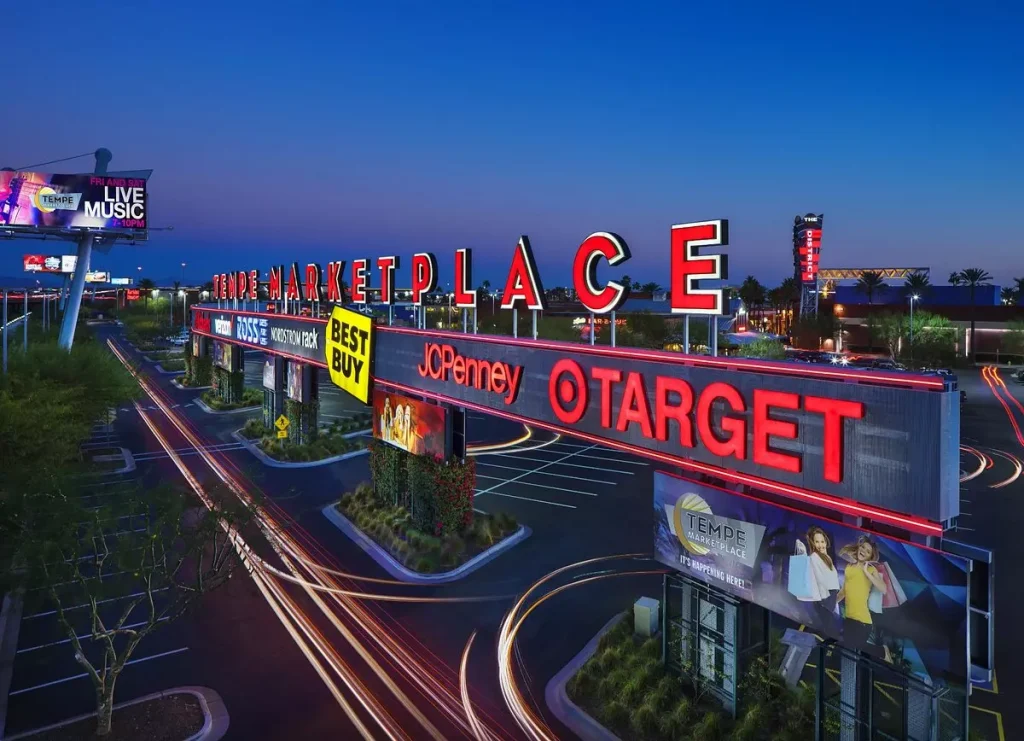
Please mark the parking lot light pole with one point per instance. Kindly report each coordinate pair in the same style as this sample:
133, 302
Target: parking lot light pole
913, 298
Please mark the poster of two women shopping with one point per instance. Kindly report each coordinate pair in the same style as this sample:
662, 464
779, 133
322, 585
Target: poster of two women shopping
899, 602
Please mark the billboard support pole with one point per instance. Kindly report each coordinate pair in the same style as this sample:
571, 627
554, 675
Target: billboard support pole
476, 311
593, 330
24, 344
534, 312
686, 334
515, 322
713, 331
74, 299
613, 329
5, 331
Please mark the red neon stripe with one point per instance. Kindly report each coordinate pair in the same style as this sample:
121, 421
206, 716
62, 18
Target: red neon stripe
925, 527
799, 512
266, 350
663, 356
657, 356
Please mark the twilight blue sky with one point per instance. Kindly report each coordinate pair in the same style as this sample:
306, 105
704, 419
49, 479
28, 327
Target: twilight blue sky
317, 131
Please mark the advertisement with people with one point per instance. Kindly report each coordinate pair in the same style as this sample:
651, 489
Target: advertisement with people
41, 201
414, 426
222, 352
896, 601
297, 390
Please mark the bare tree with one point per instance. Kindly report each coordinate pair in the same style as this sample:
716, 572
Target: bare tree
157, 547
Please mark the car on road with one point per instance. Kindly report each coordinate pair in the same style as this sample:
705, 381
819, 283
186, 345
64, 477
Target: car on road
1019, 376
179, 340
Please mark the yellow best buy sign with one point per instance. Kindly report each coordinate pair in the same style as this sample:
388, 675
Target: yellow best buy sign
349, 350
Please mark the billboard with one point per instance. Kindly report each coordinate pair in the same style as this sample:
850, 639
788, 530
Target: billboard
121, 281
899, 602
131, 294
812, 430
222, 355
807, 247
349, 352
97, 276
269, 365
297, 390
68, 263
41, 263
412, 425
35, 201
288, 336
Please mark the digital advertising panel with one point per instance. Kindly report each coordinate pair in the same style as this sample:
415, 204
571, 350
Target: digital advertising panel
297, 390
269, 378
41, 263
131, 294
855, 436
412, 425
68, 263
899, 602
288, 336
222, 355
97, 276
35, 201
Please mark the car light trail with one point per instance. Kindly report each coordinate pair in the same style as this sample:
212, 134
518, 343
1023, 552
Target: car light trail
426, 672
478, 730
991, 377
477, 449
1018, 467
981, 464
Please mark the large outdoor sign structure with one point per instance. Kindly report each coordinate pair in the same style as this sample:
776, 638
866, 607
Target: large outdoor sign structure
872, 448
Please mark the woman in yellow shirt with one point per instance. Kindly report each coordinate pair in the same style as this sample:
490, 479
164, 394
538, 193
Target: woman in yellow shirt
861, 576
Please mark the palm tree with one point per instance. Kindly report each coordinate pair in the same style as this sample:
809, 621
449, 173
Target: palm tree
486, 286
651, 287
752, 294
791, 291
627, 281
777, 300
870, 283
955, 278
972, 278
917, 284
1020, 289
147, 285
1008, 296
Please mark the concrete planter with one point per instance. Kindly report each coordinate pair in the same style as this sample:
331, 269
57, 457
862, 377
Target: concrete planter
206, 408
177, 384
402, 572
268, 461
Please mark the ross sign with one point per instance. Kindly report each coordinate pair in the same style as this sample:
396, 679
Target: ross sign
894, 600
41, 263
34, 201
412, 425
251, 330
349, 352
282, 422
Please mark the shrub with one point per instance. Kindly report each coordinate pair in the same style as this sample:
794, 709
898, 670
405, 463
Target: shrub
254, 429
644, 722
616, 715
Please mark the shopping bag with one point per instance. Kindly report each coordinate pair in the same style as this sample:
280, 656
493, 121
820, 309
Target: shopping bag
800, 577
875, 600
894, 596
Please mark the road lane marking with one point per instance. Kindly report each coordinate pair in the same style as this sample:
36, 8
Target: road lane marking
98, 602
82, 637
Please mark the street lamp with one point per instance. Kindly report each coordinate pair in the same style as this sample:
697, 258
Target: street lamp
913, 298
183, 273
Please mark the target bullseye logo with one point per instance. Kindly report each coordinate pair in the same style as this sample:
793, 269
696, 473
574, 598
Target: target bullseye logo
567, 391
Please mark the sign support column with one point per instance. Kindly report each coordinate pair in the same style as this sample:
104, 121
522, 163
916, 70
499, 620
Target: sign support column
74, 300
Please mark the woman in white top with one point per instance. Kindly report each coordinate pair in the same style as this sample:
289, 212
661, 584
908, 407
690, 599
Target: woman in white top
822, 577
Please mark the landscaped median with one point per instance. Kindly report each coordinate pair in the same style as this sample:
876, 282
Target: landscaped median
337, 442
620, 688
418, 521
212, 402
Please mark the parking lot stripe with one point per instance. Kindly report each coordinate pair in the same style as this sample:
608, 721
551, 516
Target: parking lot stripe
598, 448
540, 468
83, 674
519, 480
525, 499
544, 460
546, 473
80, 637
98, 602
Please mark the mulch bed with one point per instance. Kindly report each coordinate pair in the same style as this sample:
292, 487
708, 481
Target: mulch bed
173, 718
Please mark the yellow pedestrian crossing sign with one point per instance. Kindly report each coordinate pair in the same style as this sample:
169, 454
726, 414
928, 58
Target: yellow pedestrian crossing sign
282, 424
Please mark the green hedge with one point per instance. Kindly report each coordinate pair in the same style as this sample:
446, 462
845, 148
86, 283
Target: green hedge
250, 398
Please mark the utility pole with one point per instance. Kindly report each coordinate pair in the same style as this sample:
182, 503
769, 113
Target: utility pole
85, 242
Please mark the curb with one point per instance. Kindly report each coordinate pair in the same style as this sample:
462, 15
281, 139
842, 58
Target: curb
129, 460
215, 725
268, 461
401, 572
206, 408
160, 369
10, 626
177, 384
557, 699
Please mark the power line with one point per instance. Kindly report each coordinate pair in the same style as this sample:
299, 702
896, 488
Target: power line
63, 159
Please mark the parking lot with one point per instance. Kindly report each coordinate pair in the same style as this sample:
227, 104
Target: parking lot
46, 674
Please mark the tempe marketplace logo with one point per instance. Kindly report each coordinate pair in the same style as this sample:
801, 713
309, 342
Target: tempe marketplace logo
703, 533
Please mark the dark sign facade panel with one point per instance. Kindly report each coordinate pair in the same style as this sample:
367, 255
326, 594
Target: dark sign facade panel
283, 335
899, 602
856, 441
